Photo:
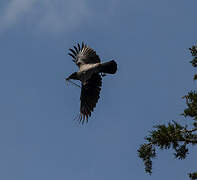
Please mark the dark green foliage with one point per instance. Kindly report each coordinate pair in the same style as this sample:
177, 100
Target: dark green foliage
193, 51
146, 152
166, 136
193, 176
195, 77
173, 135
191, 102
194, 62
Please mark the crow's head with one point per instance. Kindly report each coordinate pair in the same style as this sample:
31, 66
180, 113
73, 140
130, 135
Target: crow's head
73, 76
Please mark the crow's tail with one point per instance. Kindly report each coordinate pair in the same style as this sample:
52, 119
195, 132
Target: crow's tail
109, 67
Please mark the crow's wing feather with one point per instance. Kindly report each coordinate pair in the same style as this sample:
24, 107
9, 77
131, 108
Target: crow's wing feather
84, 55
90, 93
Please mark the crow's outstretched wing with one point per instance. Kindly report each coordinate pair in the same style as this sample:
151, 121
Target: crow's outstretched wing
90, 93
83, 55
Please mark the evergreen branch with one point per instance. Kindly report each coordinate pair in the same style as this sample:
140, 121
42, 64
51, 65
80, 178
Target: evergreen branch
190, 131
173, 135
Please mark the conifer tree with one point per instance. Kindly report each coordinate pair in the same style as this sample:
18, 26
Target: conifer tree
174, 135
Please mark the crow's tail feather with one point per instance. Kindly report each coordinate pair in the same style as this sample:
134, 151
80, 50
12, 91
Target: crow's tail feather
109, 67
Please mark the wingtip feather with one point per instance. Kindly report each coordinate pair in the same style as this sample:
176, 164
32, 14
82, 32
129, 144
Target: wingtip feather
73, 51
76, 49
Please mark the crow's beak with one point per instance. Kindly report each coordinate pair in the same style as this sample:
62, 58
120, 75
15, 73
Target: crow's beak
72, 76
67, 79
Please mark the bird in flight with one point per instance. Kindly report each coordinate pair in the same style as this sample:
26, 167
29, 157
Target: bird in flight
90, 73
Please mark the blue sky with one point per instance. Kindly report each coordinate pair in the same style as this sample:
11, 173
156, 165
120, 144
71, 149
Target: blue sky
38, 137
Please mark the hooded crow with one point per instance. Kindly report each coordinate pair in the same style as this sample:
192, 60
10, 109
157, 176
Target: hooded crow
90, 73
